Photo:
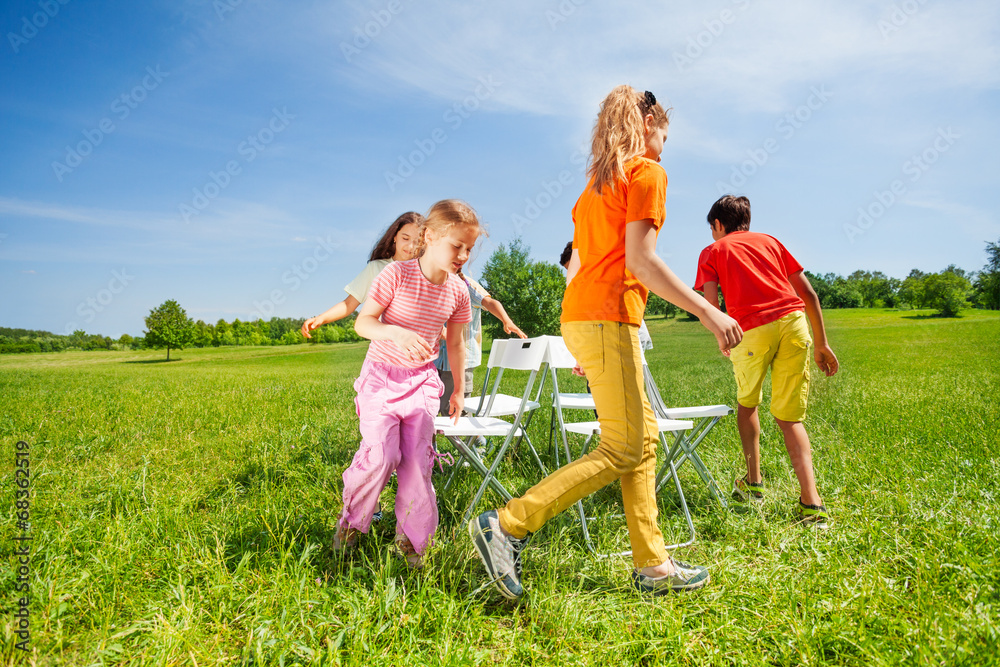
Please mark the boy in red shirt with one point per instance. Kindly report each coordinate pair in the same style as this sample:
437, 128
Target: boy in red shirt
766, 291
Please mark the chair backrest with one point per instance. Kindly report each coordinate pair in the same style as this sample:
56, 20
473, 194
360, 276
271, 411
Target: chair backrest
524, 355
496, 352
558, 354
653, 392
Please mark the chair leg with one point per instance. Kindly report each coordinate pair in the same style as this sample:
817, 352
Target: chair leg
489, 479
684, 448
687, 513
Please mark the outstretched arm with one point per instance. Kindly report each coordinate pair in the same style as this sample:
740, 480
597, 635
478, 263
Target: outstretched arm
369, 326
338, 312
825, 358
641, 259
493, 306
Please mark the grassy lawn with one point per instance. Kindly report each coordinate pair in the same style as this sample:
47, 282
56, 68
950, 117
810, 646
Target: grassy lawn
183, 513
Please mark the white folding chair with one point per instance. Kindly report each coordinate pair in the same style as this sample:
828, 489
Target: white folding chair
517, 354
593, 428
686, 441
559, 356
493, 403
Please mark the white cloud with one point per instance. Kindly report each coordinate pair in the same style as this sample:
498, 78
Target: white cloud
754, 59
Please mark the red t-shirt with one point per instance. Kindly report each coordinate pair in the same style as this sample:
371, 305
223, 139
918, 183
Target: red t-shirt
752, 271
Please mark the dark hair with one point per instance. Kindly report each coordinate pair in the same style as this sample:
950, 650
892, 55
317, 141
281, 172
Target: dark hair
732, 212
567, 253
386, 246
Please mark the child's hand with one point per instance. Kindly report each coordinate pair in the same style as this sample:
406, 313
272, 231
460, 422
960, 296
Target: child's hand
727, 331
418, 349
826, 360
309, 325
510, 327
455, 406
578, 370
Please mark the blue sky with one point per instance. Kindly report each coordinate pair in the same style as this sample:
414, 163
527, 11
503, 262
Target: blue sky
241, 157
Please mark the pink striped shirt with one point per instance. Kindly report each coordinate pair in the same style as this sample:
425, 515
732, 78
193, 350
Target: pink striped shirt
415, 303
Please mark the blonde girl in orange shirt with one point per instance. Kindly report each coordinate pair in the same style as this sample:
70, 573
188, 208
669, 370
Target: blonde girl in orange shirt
616, 219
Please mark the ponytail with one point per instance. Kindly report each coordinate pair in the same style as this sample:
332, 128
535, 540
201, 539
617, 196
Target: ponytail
619, 133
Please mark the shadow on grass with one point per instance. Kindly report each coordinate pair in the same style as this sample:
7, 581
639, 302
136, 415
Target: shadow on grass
932, 317
152, 361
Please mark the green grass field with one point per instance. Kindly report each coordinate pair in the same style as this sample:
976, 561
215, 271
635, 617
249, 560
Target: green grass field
182, 514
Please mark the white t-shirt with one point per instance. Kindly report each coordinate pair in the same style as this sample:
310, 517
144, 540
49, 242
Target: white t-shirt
358, 288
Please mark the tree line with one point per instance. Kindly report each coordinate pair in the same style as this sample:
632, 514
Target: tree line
531, 291
275, 331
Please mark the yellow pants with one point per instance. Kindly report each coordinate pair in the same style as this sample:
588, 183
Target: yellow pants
610, 355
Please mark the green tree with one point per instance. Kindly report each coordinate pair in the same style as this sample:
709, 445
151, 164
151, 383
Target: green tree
168, 326
877, 290
987, 285
531, 292
202, 334
656, 305
835, 291
947, 292
912, 290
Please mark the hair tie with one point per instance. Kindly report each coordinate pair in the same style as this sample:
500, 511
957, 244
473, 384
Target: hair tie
650, 99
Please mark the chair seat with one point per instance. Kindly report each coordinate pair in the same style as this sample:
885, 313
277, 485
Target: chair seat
594, 428
467, 426
576, 401
507, 406
698, 412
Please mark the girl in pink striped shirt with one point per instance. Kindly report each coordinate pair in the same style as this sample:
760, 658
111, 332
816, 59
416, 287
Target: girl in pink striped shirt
399, 388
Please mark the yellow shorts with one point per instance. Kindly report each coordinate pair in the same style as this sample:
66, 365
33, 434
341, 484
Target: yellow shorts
783, 346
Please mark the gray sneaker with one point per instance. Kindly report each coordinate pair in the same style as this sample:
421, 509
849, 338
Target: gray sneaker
500, 554
686, 577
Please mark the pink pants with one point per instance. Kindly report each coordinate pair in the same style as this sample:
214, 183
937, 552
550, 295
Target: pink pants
396, 407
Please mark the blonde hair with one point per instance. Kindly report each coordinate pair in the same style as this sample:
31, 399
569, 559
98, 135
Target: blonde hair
619, 133
444, 215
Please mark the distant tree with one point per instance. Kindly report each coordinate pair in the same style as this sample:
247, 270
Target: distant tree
169, 326
292, 338
911, 291
223, 334
987, 284
947, 292
202, 334
877, 290
658, 306
530, 291
835, 291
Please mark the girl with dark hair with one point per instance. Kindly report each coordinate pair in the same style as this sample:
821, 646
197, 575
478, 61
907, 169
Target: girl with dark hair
398, 243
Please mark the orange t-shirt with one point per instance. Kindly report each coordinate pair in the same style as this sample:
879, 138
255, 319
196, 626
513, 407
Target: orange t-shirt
603, 289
